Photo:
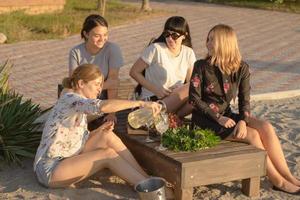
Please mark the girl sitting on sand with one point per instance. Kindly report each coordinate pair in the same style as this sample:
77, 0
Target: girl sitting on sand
68, 152
215, 82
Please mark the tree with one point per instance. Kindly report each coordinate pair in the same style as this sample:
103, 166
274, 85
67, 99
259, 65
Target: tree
146, 5
101, 7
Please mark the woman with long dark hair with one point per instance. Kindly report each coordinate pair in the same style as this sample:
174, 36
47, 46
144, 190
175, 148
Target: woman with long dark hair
167, 64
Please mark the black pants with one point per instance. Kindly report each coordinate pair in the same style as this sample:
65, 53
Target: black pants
205, 122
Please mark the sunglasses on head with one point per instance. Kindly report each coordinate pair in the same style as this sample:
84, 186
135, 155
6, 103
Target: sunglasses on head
173, 35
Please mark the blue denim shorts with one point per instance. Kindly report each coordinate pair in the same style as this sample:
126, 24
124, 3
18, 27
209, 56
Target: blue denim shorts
44, 169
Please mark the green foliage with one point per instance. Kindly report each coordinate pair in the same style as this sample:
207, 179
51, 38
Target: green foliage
19, 135
277, 1
284, 1
280, 5
18, 26
186, 139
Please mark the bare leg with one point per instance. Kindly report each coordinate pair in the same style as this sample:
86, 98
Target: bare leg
76, 168
185, 110
275, 177
273, 147
177, 98
100, 139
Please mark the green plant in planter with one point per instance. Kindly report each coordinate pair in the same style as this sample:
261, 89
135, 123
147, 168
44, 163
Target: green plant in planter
185, 139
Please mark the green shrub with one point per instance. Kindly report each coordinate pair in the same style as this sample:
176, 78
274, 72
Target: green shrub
19, 135
19, 26
279, 5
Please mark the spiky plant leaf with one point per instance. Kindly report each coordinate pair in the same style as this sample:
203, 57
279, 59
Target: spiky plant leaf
19, 135
4, 75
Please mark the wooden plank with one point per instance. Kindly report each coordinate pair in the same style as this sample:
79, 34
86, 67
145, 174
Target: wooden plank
227, 162
215, 151
196, 157
183, 194
204, 172
190, 157
154, 162
223, 147
251, 186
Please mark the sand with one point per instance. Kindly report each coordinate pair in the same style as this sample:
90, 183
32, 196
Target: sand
20, 183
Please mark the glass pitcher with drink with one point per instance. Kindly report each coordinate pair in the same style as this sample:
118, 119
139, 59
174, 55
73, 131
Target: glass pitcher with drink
144, 116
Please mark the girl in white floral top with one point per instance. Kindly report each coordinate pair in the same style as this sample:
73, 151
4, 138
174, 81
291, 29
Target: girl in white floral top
68, 152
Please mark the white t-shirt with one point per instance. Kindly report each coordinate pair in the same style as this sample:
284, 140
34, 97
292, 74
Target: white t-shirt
164, 68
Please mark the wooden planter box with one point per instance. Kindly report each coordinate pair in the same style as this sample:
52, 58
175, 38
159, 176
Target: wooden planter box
32, 6
228, 161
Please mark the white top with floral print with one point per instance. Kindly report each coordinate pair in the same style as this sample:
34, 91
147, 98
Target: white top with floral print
65, 131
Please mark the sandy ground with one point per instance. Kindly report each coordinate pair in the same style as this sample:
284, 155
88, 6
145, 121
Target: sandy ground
20, 183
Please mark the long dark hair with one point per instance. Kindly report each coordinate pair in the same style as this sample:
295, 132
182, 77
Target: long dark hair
91, 22
177, 24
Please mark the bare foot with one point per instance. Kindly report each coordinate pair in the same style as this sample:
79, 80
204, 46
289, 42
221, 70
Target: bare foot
296, 182
72, 186
288, 187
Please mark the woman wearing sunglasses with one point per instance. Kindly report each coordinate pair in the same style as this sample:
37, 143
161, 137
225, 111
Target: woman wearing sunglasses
96, 49
164, 69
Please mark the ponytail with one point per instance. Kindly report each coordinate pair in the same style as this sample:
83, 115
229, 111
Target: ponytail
67, 83
85, 72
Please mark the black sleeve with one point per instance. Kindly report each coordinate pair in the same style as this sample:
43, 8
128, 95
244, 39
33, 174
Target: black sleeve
244, 93
195, 91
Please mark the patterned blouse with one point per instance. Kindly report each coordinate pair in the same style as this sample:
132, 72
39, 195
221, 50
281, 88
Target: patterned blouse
65, 131
211, 91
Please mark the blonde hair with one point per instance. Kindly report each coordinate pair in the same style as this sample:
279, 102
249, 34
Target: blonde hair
85, 72
225, 51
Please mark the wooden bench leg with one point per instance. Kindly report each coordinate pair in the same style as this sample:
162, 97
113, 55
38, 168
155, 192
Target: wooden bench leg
183, 194
251, 186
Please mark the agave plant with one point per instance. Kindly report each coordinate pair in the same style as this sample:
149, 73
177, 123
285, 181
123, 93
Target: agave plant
4, 74
19, 134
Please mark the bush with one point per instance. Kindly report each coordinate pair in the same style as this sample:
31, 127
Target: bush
19, 135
